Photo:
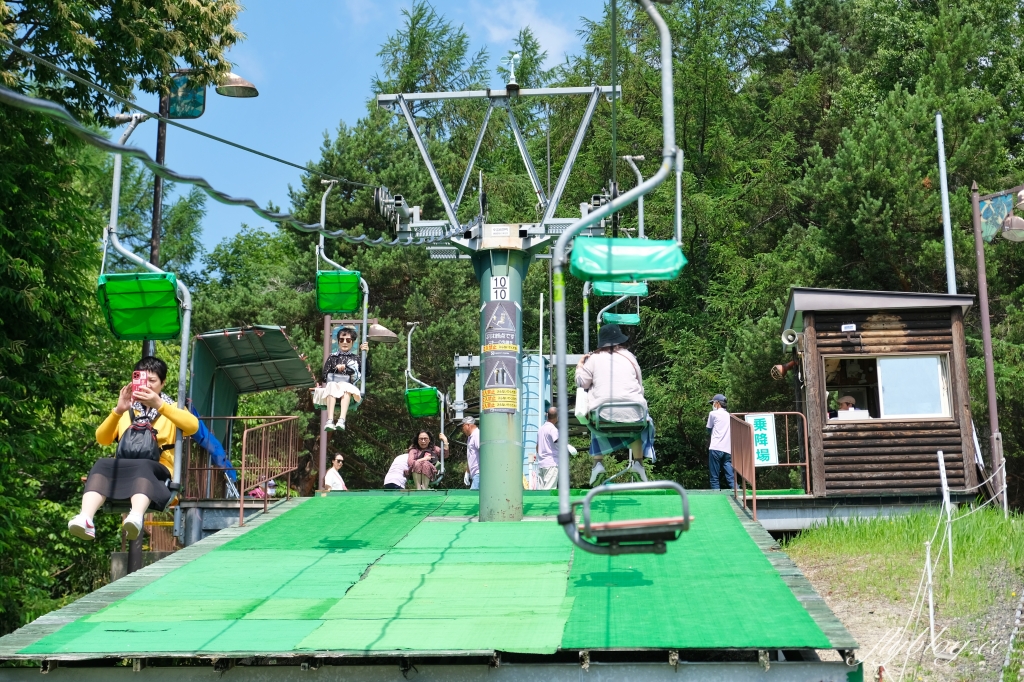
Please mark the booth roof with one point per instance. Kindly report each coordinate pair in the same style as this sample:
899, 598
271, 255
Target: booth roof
803, 299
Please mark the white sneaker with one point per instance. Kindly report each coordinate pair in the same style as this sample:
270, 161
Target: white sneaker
340, 425
82, 527
597, 471
329, 426
132, 526
638, 468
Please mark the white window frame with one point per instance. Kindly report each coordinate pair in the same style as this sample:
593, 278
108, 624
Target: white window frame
944, 387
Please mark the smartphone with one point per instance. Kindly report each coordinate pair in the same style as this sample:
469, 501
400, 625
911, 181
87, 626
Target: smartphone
140, 379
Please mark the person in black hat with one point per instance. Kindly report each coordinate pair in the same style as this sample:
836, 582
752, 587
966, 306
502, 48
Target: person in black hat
720, 448
611, 374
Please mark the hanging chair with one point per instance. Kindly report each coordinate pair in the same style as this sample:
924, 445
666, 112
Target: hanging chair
141, 306
338, 292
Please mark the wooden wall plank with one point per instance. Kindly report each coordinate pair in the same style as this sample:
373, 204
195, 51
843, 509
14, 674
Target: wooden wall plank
961, 394
814, 386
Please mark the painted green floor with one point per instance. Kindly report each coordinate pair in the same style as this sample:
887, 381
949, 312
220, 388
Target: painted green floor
386, 572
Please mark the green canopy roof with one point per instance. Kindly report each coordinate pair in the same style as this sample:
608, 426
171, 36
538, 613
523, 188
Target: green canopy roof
230, 362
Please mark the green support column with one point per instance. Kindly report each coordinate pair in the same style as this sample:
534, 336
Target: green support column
501, 273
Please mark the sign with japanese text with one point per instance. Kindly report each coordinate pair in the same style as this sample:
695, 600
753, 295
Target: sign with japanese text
499, 389
766, 447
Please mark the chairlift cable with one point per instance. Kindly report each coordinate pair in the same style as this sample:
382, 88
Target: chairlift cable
150, 114
56, 111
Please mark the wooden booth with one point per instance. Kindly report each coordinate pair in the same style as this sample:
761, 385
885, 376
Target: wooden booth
902, 358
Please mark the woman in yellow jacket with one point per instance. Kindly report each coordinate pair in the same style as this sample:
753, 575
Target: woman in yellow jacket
143, 481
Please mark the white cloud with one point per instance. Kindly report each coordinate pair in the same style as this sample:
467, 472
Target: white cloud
361, 12
502, 20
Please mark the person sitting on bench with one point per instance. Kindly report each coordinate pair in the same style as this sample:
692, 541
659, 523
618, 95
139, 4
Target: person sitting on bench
143, 424
611, 374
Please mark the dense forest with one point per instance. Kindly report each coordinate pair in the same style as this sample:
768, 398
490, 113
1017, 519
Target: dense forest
808, 132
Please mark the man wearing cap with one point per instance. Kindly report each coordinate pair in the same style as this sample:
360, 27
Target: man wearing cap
472, 434
846, 403
720, 448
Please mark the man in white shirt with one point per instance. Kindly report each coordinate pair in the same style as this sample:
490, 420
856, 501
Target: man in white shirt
547, 452
720, 448
472, 434
395, 478
333, 479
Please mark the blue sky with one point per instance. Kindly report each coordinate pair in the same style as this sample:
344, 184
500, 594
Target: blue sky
313, 62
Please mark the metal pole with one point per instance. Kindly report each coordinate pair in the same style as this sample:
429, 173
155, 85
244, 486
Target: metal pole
501, 429
996, 438
931, 592
322, 462
631, 160
947, 228
472, 157
586, 317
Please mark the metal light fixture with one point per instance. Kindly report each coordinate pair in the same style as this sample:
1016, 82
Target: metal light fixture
233, 85
1013, 226
381, 334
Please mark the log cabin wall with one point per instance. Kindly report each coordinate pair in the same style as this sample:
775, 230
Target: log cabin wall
886, 456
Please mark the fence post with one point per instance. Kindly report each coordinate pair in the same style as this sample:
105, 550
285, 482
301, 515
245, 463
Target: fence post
931, 598
947, 506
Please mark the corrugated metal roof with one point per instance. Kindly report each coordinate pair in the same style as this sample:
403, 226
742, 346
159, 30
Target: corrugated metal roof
259, 358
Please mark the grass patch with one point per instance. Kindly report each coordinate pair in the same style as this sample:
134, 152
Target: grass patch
882, 558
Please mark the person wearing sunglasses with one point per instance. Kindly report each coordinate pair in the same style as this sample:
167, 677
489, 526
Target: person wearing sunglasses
339, 378
333, 479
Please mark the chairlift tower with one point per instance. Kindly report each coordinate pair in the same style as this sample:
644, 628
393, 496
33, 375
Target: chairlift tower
501, 256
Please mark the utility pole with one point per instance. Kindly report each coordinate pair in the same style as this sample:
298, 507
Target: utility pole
995, 437
149, 347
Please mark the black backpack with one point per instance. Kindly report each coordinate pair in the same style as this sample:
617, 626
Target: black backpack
139, 441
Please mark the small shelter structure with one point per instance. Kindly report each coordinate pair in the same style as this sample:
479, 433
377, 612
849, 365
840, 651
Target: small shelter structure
902, 357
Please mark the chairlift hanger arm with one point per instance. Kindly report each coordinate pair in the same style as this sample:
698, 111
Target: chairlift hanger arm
566, 517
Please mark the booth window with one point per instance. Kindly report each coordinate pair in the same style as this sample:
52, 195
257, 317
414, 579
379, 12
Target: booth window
889, 386
914, 386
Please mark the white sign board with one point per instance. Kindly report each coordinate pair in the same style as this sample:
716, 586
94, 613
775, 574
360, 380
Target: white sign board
499, 288
766, 447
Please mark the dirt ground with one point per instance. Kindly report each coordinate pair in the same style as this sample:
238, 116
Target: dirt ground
980, 642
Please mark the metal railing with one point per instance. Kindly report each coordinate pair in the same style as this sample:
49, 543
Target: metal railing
268, 450
743, 453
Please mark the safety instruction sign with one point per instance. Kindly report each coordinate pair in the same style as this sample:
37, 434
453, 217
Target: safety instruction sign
766, 446
499, 379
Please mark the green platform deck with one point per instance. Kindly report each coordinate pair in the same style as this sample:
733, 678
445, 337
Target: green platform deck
354, 574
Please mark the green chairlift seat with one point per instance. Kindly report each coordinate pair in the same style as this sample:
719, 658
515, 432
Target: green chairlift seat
338, 292
141, 306
620, 289
616, 259
422, 402
626, 319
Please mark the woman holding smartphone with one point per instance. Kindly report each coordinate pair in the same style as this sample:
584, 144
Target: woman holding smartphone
143, 423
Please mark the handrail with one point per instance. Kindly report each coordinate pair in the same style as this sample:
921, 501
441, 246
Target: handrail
741, 436
669, 158
806, 464
284, 438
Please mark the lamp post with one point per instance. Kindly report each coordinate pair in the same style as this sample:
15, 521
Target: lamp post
232, 85
1012, 228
